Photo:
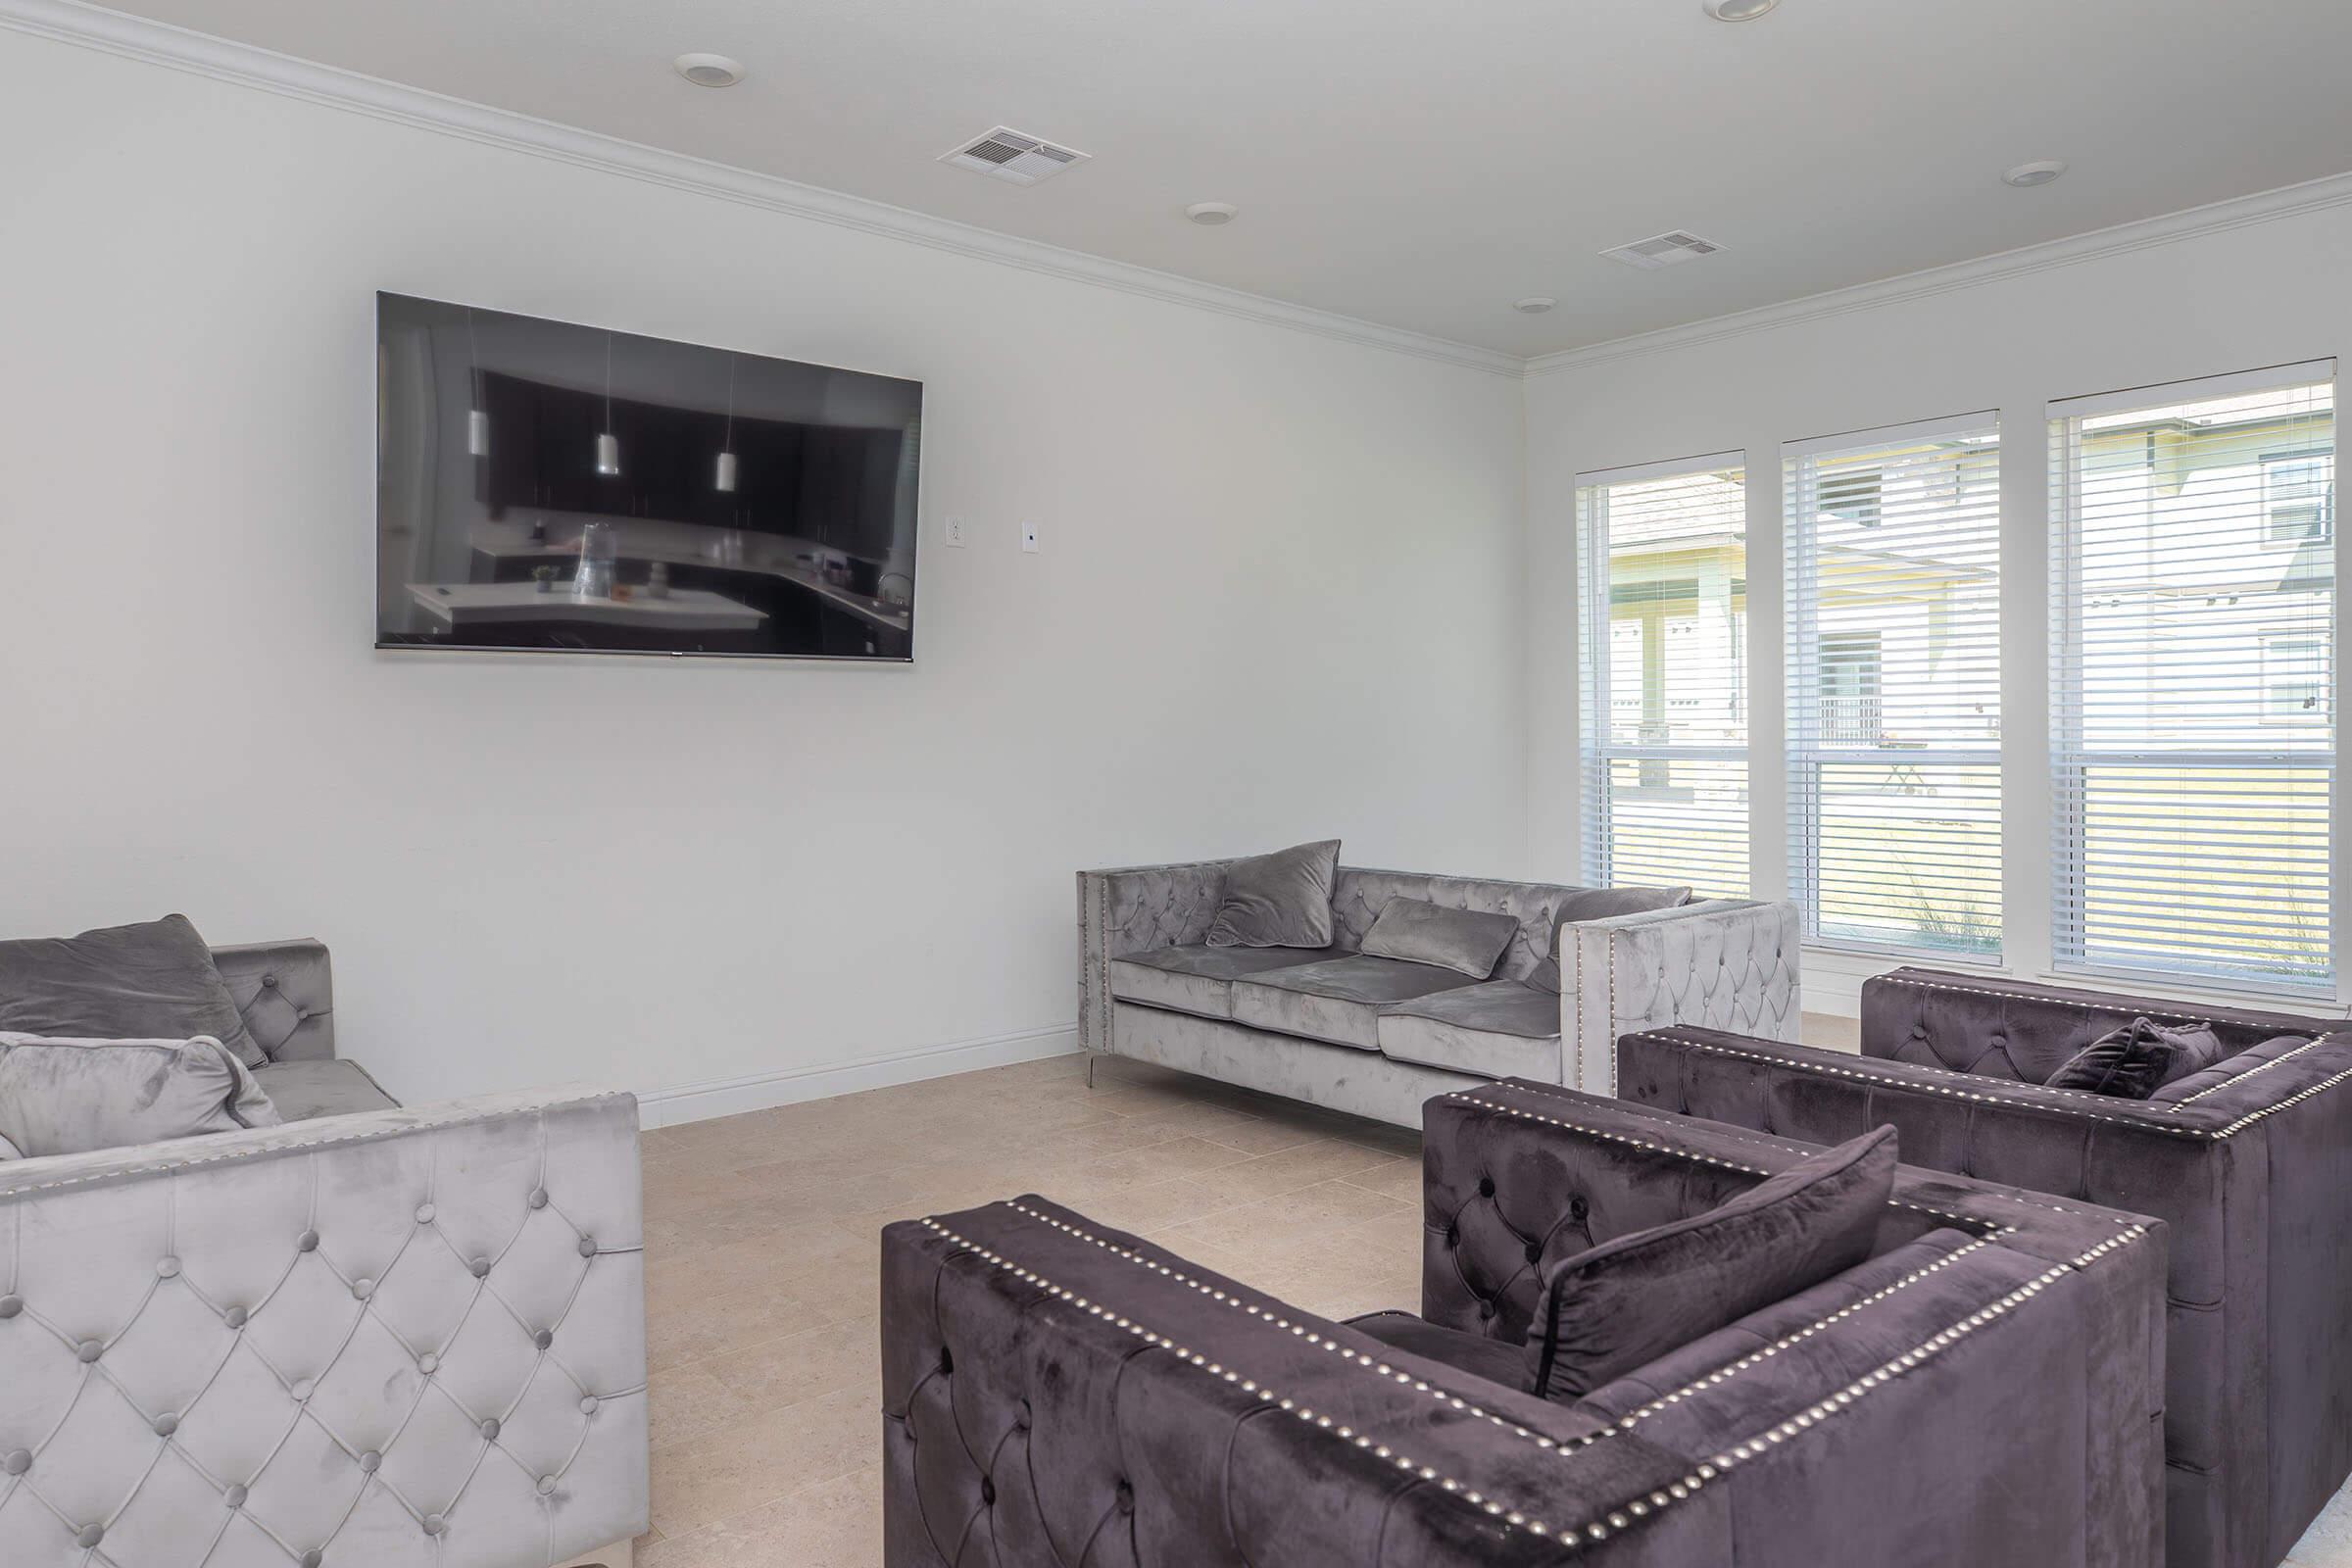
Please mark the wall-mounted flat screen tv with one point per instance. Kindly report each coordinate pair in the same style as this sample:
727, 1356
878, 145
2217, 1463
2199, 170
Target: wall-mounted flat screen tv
557, 488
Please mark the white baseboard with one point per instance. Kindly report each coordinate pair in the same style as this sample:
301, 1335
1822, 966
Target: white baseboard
733, 1096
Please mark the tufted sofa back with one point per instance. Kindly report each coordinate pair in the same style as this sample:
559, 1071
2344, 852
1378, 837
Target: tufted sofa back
1358, 895
2015, 1030
405, 1337
285, 992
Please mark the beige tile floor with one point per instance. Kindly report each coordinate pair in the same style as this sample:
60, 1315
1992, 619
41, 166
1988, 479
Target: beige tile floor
763, 1246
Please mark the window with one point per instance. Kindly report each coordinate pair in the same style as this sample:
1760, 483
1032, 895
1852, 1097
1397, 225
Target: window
2298, 495
2192, 679
1664, 563
1895, 675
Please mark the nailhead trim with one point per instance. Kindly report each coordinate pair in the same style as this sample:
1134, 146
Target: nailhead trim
2258, 1067
2148, 1121
1597, 1530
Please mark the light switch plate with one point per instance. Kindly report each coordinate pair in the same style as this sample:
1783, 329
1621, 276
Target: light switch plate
1029, 537
956, 532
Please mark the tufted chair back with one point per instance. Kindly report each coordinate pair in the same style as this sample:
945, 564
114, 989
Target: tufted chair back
2015, 1030
407, 1337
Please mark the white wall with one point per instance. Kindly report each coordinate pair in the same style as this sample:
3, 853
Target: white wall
2224, 298
1278, 599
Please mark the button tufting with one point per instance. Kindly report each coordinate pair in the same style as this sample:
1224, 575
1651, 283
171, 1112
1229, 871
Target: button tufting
424, 1213
312, 1558
369, 1460
234, 1317
1125, 1494
166, 1268
1454, 1235
988, 1493
434, 1524
10, 1306
1485, 1309
1534, 1251
481, 1267
235, 1497
538, 1198
489, 1429
428, 1363
302, 1389
361, 1289
1485, 1187
18, 1461
89, 1350
300, 1014
587, 1247
588, 1403
547, 1485
307, 1242
544, 1338
946, 1363
89, 1536
271, 981
1578, 1208
166, 1424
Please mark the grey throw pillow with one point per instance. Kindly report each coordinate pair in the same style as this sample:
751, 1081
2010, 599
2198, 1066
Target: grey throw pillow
1281, 899
1471, 941
1599, 903
150, 981
1630, 1300
69, 1096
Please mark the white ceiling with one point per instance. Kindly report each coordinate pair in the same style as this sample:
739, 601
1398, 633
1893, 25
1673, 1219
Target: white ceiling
1423, 166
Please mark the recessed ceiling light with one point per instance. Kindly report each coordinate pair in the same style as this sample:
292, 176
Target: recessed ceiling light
1736, 10
1533, 304
2026, 176
710, 71
1211, 214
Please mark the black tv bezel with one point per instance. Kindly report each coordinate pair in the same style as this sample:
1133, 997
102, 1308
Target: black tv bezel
847, 660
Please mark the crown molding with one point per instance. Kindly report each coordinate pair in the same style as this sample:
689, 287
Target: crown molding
245, 64
2238, 211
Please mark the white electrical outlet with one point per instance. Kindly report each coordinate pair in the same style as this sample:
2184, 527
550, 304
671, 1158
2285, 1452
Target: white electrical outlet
1029, 537
956, 532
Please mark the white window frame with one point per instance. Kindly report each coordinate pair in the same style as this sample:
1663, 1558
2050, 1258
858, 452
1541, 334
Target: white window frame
1596, 750
1806, 748
2068, 757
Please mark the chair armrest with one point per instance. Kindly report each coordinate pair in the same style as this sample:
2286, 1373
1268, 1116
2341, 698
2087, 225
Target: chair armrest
372, 1325
1726, 964
285, 992
1137, 909
1060, 1381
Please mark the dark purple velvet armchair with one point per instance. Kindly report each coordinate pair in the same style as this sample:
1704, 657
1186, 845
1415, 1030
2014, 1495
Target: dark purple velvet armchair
1984, 1388
2248, 1162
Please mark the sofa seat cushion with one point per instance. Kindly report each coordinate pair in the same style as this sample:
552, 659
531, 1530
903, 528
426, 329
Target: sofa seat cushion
1199, 979
1497, 1029
1494, 1360
1337, 1000
305, 1091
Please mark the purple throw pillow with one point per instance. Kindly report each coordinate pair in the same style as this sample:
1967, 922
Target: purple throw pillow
2134, 1061
1630, 1300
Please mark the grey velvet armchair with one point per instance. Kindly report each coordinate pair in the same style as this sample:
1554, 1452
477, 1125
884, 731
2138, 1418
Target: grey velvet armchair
1983, 1389
2248, 1162
379, 1337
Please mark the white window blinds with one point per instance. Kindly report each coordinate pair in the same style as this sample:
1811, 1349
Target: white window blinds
1663, 561
1895, 675
2193, 654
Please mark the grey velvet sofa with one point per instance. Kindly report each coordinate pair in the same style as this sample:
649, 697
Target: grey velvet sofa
1376, 1036
371, 1335
2248, 1162
1983, 1389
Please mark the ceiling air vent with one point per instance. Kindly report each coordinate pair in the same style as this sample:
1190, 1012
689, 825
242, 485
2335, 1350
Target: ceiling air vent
1663, 250
1005, 154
